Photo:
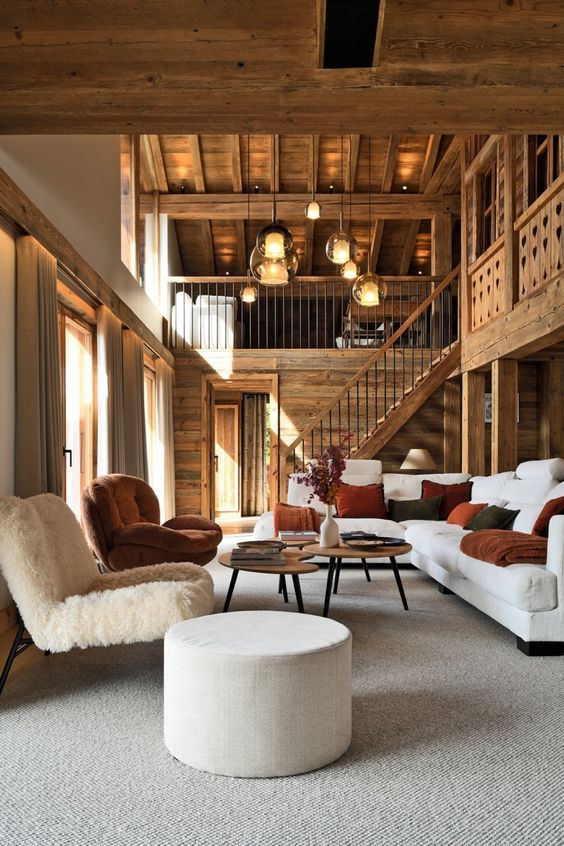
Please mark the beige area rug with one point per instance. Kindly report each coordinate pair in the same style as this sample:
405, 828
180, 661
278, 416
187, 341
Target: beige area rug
458, 739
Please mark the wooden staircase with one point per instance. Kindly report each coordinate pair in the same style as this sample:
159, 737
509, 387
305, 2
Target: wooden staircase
392, 385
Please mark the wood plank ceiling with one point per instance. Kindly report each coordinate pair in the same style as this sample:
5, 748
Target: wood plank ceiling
257, 66
410, 176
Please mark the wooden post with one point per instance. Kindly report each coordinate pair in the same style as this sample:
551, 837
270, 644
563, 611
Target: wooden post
465, 300
441, 264
452, 426
551, 428
505, 374
510, 237
473, 426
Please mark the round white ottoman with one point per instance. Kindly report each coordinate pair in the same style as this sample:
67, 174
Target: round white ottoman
257, 693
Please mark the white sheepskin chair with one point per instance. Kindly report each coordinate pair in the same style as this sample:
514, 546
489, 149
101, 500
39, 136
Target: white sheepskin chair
66, 603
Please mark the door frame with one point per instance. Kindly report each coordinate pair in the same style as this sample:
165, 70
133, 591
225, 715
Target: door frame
224, 403
247, 383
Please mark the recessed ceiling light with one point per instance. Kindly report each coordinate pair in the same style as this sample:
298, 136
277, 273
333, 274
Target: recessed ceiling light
331, 187
227, 273
420, 272
404, 187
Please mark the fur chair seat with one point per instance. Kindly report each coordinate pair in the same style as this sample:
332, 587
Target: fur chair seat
66, 603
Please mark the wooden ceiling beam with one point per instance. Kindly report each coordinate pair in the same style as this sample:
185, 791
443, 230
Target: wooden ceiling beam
321, 6
352, 162
275, 164
387, 181
235, 146
197, 166
234, 206
379, 31
151, 151
207, 243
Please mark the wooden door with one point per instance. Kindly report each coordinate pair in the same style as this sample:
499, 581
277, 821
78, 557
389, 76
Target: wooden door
227, 462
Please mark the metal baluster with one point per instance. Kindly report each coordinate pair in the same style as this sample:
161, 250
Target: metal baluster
357, 413
394, 348
366, 400
375, 393
330, 426
300, 329
348, 411
385, 386
321, 436
284, 317
340, 424
267, 321
303, 455
316, 316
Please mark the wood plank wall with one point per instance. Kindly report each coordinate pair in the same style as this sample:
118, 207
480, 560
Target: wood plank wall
308, 380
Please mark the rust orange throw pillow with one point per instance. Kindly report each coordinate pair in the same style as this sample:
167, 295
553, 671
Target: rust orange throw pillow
361, 501
463, 513
550, 509
452, 495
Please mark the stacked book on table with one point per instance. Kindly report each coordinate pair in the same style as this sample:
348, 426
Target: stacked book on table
306, 537
259, 555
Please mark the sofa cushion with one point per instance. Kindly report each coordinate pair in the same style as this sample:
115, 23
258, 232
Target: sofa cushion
414, 509
363, 467
407, 486
462, 513
361, 479
529, 587
526, 518
361, 501
438, 541
546, 468
451, 495
528, 490
555, 492
549, 510
492, 517
486, 488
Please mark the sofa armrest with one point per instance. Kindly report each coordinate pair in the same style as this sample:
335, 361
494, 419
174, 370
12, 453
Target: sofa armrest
555, 551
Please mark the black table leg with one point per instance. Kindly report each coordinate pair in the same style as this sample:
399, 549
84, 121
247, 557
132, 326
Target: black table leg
366, 570
330, 572
282, 587
337, 574
298, 592
398, 582
230, 590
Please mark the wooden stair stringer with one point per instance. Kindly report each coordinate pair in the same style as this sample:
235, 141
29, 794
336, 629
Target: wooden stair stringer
408, 405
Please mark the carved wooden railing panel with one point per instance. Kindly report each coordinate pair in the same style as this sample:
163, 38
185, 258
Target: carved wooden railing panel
390, 376
541, 240
486, 279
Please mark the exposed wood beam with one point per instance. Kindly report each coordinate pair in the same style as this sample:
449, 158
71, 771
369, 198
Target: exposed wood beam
387, 181
207, 241
19, 209
487, 153
473, 425
235, 144
448, 162
429, 162
232, 206
379, 31
352, 162
197, 167
505, 379
152, 154
551, 430
320, 27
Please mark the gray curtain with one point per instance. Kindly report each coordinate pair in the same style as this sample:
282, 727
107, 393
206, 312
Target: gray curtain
111, 427
39, 408
165, 483
254, 482
134, 406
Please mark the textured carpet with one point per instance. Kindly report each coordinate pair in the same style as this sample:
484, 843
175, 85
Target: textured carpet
458, 739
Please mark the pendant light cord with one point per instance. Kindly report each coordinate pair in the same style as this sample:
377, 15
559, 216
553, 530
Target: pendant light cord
342, 185
248, 197
369, 201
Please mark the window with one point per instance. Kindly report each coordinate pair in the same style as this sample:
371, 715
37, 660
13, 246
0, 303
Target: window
150, 382
544, 164
489, 208
77, 354
129, 168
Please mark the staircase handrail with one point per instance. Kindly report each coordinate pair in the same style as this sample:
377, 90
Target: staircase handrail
408, 322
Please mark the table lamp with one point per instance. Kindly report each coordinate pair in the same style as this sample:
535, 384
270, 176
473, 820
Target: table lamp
418, 459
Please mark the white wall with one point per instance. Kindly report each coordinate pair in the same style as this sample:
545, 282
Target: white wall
75, 181
7, 372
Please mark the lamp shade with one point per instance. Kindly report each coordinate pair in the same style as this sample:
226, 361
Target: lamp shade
418, 459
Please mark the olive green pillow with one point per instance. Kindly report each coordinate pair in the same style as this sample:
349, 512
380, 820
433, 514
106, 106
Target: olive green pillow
492, 517
414, 509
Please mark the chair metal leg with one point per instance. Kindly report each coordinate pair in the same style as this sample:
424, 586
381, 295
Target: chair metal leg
298, 592
366, 570
330, 572
19, 645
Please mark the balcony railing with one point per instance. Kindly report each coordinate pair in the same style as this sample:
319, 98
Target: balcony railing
307, 314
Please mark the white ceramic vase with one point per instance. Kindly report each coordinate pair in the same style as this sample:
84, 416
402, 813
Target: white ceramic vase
329, 530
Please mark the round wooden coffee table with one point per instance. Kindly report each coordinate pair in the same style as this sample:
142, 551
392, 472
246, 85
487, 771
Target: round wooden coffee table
336, 555
294, 566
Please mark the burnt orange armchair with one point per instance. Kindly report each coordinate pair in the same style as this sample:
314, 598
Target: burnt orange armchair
121, 517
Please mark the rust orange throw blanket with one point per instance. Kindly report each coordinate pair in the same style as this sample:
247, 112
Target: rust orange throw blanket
294, 518
500, 547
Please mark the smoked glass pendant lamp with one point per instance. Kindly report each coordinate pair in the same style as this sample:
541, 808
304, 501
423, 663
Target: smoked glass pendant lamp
369, 289
341, 246
248, 291
350, 269
274, 271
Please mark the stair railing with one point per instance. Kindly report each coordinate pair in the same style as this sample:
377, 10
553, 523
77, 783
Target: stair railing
389, 375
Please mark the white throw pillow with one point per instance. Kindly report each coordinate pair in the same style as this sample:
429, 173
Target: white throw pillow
361, 479
528, 490
526, 518
486, 488
542, 469
555, 493
369, 466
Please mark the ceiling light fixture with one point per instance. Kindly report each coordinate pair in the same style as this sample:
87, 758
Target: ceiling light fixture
313, 209
349, 270
248, 292
341, 246
369, 289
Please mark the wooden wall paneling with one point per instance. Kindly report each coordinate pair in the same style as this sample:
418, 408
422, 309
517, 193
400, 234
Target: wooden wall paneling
452, 426
551, 408
505, 375
473, 425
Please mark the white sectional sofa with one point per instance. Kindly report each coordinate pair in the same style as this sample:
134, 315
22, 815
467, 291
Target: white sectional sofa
528, 599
